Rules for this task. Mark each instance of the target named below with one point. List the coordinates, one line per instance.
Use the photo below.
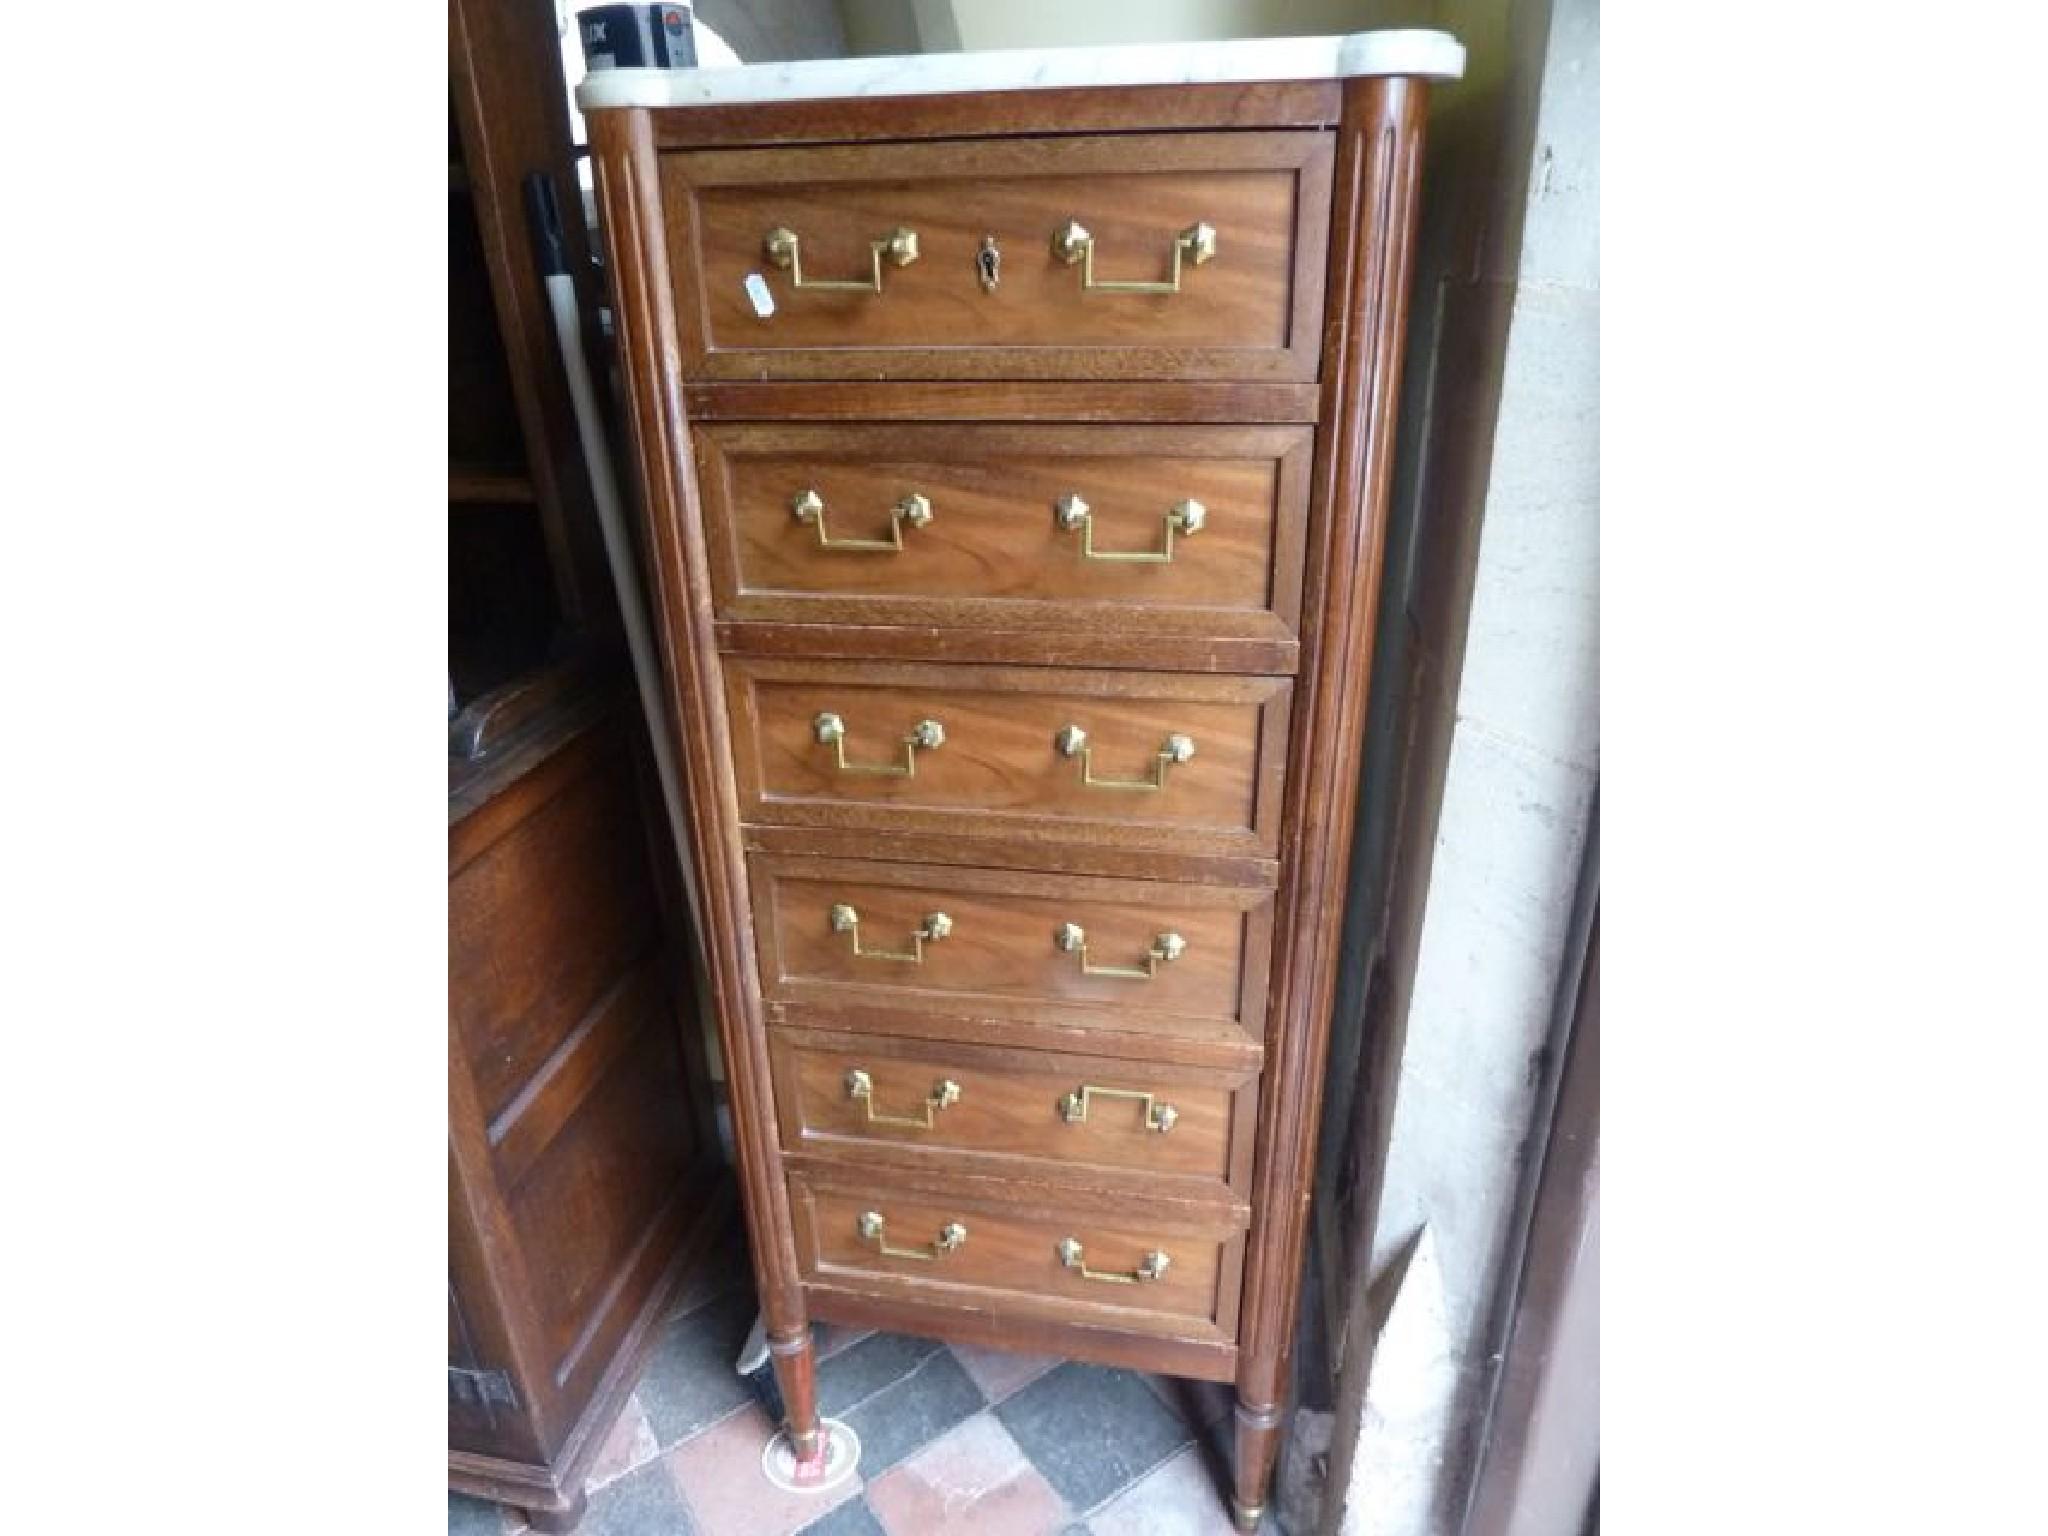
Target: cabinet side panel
(629, 192)
(488, 1411)
(1372, 229)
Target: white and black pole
(551, 254)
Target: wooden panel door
(582, 1181)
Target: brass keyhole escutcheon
(988, 264)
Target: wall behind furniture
(1481, 803)
(1006, 24)
(882, 28)
(935, 26)
(761, 31)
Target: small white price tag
(758, 295)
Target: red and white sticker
(839, 1455)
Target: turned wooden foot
(796, 1373)
(1258, 1438)
(558, 1522)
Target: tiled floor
(952, 1439)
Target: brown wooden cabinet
(1018, 616)
(583, 1170)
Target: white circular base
(842, 1455)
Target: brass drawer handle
(945, 1093)
(1072, 243)
(936, 926)
(1073, 742)
(952, 1235)
(1183, 517)
(1152, 1267)
(899, 245)
(830, 730)
(1158, 1117)
(1072, 938)
(807, 506)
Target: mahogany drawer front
(1021, 1259)
(1008, 1112)
(1253, 310)
(854, 933)
(1176, 762)
(1065, 528)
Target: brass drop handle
(1072, 938)
(1152, 1267)
(1072, 741)
(807, 506)
(1072, 243)
(936, 926)
(945, 1093)
(1183, 517)
(1160, 1117)
(781, 248)
(830, 730)
(951, 1236)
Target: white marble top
(1434, 55)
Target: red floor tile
(719, 1472)
(974, 1478)
(999, 1372)
(630, 1443)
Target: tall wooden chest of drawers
(1015, 460)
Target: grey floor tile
(1205, 1407)
(853, 1518)
(642, 1503)
(1092, 1431)
(916, 1410)
(859, 1373)
(690, 1382)
(473, 1517)
(1198, 1402)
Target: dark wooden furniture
(1019, 637)
(519, 496)
(584, 1174)
(580, 1159)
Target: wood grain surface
(1257, 106)
(581, 1178)
(999, 776)
(1008, 1119)
(993, 554)
(1001, 959)
(1249, 313)
(1011, 1258)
